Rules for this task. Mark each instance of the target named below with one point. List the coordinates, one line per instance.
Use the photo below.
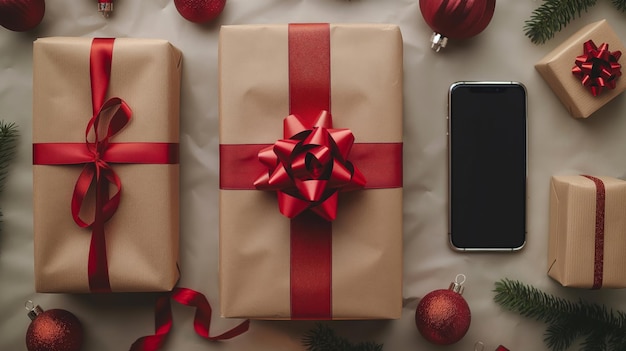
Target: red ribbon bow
(597, 68)
(97, 168)
(310, 167)
(98, 171)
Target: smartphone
(487, 166)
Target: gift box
(584, 71)
(587, 225)
(308, 112)
(105, 164)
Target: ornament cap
(105, 7)
(33, 310)
(438, 41)
(457, 284)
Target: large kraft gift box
(556, 69)
(134, 244)
(272, 266)
(587, 231)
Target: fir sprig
(601, 328)
(552, 16)
(323, 338)
(620, 5)
(8, 138)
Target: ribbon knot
(309, 167)
(597, 68)
(113, 116)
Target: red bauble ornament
(53, 330)
(456, 19)
(200, 11)
(21, 15)
(443, 316)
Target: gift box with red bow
(584, 71)
(587, 225)
(311, 171)
(105, 164)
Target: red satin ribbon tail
(162, 327)
(202, 321)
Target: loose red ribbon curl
(202, 320)
(597, 68)
(310, 167)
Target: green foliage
(552, 16)
(620, 5)
(8, 138)
(323, 338)
(601, 328)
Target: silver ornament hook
(33, 310)
(457, 284)
(438, 41)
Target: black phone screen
(487, 165)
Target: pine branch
(8, 138)
(323, 338)
(602, 329)
(620, 5)
(553, 15)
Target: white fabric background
(558, 144)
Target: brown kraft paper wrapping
(366, 97)
(572, 244)
(142, 236)
(556, 70)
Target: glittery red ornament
(200, 11)
(21, 15)
(53, 330)
(443, 316)
(456, 19)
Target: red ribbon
(202, 320)
(96, 153)
(311, 236)
(302, 169)
(598, 264)
(380, 164)
(597, 68)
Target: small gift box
(584, 71)
(587, 226)
(308, 112)
(105, 164)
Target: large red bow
(310, 167)
(597, 68)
